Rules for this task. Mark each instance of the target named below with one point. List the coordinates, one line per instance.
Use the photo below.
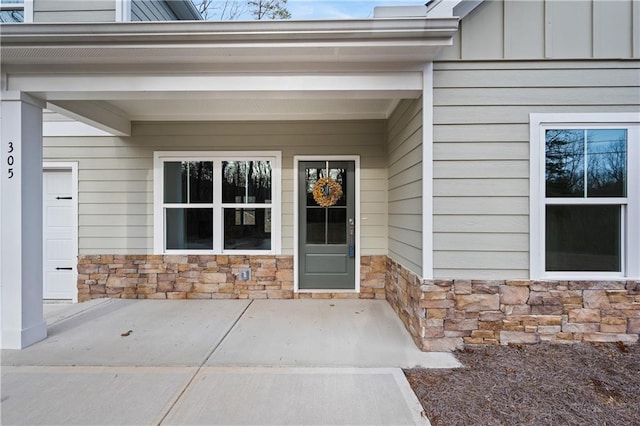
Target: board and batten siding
(548, 29)
(74, 11)
(404, 149)
(481, 151)
(145, 10)
(116, 174)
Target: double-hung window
(585, 218)
(216, 202)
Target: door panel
(327, 234)
(318, 263)
(59, 277)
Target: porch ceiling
(111, 74)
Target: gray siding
(74, 11)
(116, 178)
(503, 29)
(145, 10)
(481, 152)
(405, 184)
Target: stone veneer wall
(444, 315)
(208, 277)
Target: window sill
(583, 276)
(224, 253)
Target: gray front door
(327, 237)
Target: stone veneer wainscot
(444, 315)
(208, 277)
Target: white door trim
(296, 160)
(73, 167)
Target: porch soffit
(258, 70)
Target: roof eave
(237, 31)
(415, 40)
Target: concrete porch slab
(90, 395)
(298, 396)
(56, 311)
(323, 333)
(217, 362)
(162, 333)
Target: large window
(584, 209)
(217, 202)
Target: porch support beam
(140, 86)
(97, 114)
(21, 221)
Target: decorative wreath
(327, 192)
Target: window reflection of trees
(246, 181)
(200, 180)
(606, 163)
(602, 153)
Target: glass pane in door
(326, 225)
(337, 225)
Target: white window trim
(159, 157)
(28, 11)
(631, 256)
(296, 213)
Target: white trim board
(296, 160)
(427, 172)
(70, 129)
(123, 10)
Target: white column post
(427, 172)
(21, 316)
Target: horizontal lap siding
(405, 184)
(74, 11)
(481, 152)
(116, 174)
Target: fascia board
(374, 41)
(79, 34)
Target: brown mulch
(544, 384)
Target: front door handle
(63, 269)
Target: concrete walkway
(263, 362)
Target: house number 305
(10, 160)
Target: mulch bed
(544, 384)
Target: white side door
(60, 232)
